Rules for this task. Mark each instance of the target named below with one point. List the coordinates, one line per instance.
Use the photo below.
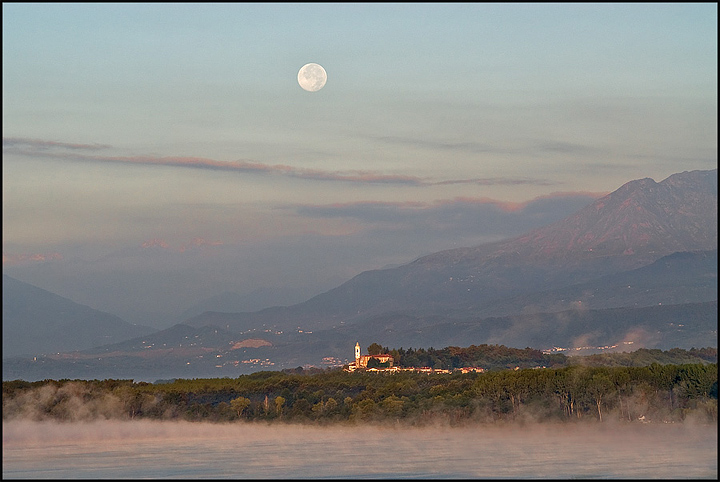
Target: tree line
(577, 392)
(491, 357)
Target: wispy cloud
(496, 181)
(460, 218)
(438, 144)
(57, 150)
(378, 209)
(39, 144)
(524, 147)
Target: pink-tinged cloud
(15, 259)
(25, 147)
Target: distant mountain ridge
(210, 352)
(679, 278)
(630, 227)
(255, 301)
(627, 229)
(641, 218)
(36, 321)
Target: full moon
(312, 77)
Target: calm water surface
(145, 449)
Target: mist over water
(154, 449)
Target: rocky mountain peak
(642, 218)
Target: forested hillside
(491, 357)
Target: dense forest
(598, 388)
(492, 357)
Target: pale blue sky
(128, 123)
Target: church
(361, 361)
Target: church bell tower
(357, 355)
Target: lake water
(148, 449)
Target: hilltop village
(385, 363)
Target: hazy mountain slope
(627, 229)
(686, 277)
(36, 321)
(257, 300)
(177, 336)
(641, 218)
(189, 352)
(685, 326)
